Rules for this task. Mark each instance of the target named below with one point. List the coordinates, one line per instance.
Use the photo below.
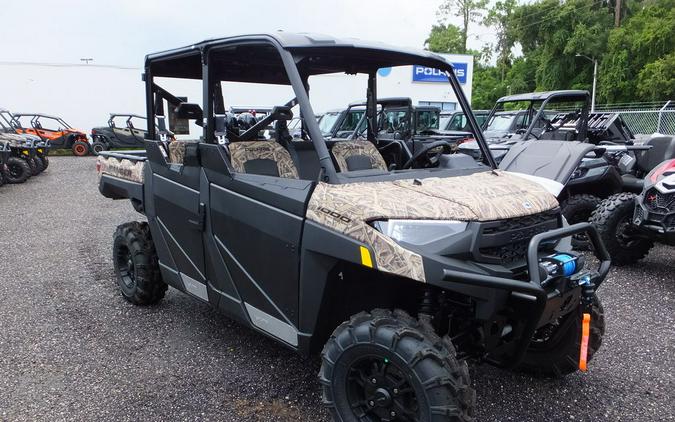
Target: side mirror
(189, 111)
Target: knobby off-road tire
(80, 149)
(578, 209)
(98, 146)
(34, 169)
(554, 350)
(18, 170)
(39, 164)
(387, 366)
(136, 264)
(45, 162)
(613, 219)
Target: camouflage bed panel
(241, 152)
(124, 169)
(485, 196)
(345, 149)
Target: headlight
(419, 232)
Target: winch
(560, 265)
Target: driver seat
(267, 158)
(357, 155)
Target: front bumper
(545, 301)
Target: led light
(419, 232)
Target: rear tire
(613, 219)
(558, 355)
(136, 264)
(384, 365)
(18, 170)
(80, 149)
(578, 209)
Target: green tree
(635, 67)
(499, 18)
(445, 39)
(470, 11)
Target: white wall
(84, 95)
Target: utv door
(255, 225)
(176, 215)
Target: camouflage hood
(484, 196)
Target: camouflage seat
(177, 151)
(262, 157)
(357, 155)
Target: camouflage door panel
(241, 152)
(484, 196)
(344, 149)
(124, 169)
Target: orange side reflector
(585, 333)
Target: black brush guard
(533, 287)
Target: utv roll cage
(35, 120)
(536, 114)
(255, 58)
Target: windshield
(351, 120)
(327, 123)
(427, 120)
(501, 122)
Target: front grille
(658, 202)
(638, 216)
(506, 241)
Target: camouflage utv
(397, 277)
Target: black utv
(4, 157)
(397, 277)
(123, 131)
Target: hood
(484, 196)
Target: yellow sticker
(365, 257)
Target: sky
(121, 32)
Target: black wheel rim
(126, 268)
(378, 390)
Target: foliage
(470, 11)
(636, 60)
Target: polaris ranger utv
(397, 277)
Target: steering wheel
(422, 157)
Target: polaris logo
(429, 74)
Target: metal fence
(645, 118)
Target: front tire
(554, 350)
(18, 170)
(98, 147)
(613, 219)
(39, 164)
(136, 264)
(45, 162)
(387, 366)
(80, 148)
(578, 209)
(34, 169)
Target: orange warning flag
(585, 333)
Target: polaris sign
(429, 74)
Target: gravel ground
(72, 349)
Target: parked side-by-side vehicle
(396, 275)
(53, 129)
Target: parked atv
(397, 277)
(53, 129)
(123, 131)
(16, 169)
(5, 154)
(630, 224)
